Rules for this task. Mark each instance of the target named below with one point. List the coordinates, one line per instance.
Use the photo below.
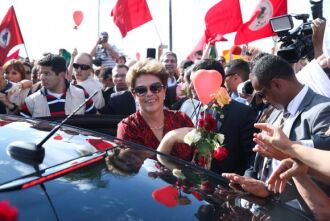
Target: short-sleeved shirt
(134, 128)
(104, 55)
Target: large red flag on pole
(10, 34)
(224, 17)
(258, 26)
(130, 14)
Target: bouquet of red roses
(208, 143)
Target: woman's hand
(179, 134)
(171, 138)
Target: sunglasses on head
(81, 66)
(155, 88)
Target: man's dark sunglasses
(81, 66)
(155, 88)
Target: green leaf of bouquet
(203, 147)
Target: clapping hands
(272, 142)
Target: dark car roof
(67, 143)
(100, 191)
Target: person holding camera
(104, 53)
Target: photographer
(305, 41)
(314, 74)
(104, 53)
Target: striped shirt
(104, 55)
(57, 104)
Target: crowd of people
(276, 126)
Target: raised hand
(272, 142)
(287, 169)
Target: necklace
(157, 128)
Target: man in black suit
(236, 125)
(114, 105)
(121, 103)
(118, 77)
(170, 62)
(303, 115)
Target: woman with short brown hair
(147, 81)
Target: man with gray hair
(170, 62)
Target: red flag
(203, 41)
(258, 26)
(13, 55)
(224, 17)
(130, 14)
(10, 34)
(200, 46)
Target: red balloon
(78, 17)
(236, 50)
(206, 83)
(138, 56)
(167, 196)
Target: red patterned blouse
(135, 128)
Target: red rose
(208, 116)
(207, 186)
(220, 153)
(210, 124)
(7, 213)
(207, 122)
(201, 161)
(201, 123)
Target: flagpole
(27, 55)
(170, 25)
(98, 18)
(161, 42)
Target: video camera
(297, 43)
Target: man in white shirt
(104, 53)
(82, 70)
